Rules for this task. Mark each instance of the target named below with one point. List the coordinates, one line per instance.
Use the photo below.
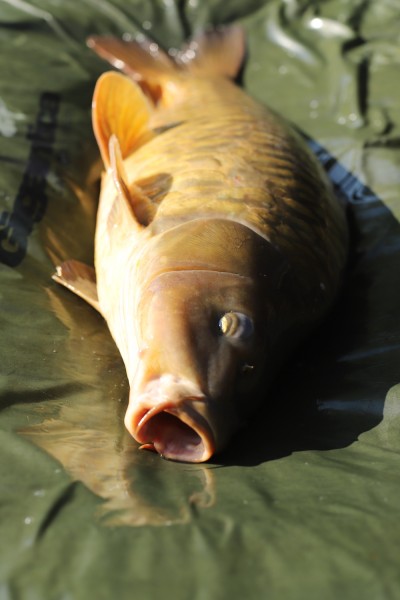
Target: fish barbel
(219, 243)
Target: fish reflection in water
(137, 488)
(86, 434)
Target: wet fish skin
(213, 214)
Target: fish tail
(123, 106)
(217, 52)
(144, 62)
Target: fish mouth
(176, 431)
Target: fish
(219, 245)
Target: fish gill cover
(305, 501)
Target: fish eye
(236, 325)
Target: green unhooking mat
(305, 502)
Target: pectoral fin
(120, 107)
(80, 279)
(131, 202)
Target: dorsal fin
(131, 201)
(120, 108)
(80, 279)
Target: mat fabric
(305, 503)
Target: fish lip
(200, 440)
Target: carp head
(205, 318)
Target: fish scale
(283, 218)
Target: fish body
(219, 243)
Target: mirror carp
(219, 242)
